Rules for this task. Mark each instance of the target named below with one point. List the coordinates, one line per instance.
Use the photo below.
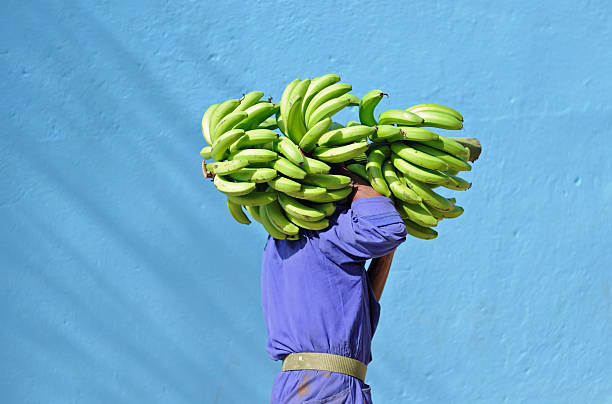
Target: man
(319, 304)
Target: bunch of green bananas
(284, 181)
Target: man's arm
(378, 272)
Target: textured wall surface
(125, 280)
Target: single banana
(339, 154)
(257, 114)
(328, 208)
(249, 99)
(310, 139)
(440, 214)
(316, 226)
(269, 123)
(352, 123)
(232, 119)
(224, 141)
(233, 188)
(295, 208)
(296, 127)
(450, 146)
(439, 120)
(284, 166)
(255, 198)
(328, 181)
(226, 167)
(419, 231)
(308, 192)
(367, 106)
(206, 123)
(284, 105)
(205, 152)
(399, 117)
(376, 158)
(276, 215)
(287, 148)
(333, 195)
(358, 169)
(220, 112)
(286, 185)
(316, 85)
(398, 187)
(254, 212)
(267, 224)
(435, 107)
(346, 135)
(327, 109)
(453, 162)
(237, 213)
(313, 166)
(256, 175)
(429, 196)
(254, 155)
(327, 94)
(416, 212)
(335, 126)
(354, 101)
(418, 173)
(457, 183)
(390, 133)
(418, 157)
(361, 159)
(253, 137)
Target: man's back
(316, 297)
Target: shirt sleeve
(371, 228)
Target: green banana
(398, 187)
(333, 195)
(227, 123)
(254, 155)
(267, 224)
(327, 109)
(316, 226)
(328, 181)
(206, 123)
(226, 167)
(327, 94)
(399, 117)
(254, 212)
(248, 100)
(441, 214)
(346, 135)
(352, 123)
(277, 217)
(284, 105)
(359, 169)
(269, 123)
(237, 213)
(457, 183)
(367, 106)
(354, 101)
(313, 166)
(297, 209)
(335, 126)
(233, 188)
(287, 148)
(450, 146)
(418, 157)
(328, 208)
(286, 185)
(310, 139)
(429, 196)
(253, 137)
(224, 141)
(453, 162)
(376, 158)
(418, 173)
(205, 152)
(257, 114)
(416, 212)
(316, 85)
(307, 192)
(284, 166)
(256, 175)
(219, 113)
(339, 154)
(296, 127)
(390, 133)
(419, 231)
(435, 107)
(439, 120)
(255, 198)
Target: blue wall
(125, 280)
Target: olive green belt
(325, 361)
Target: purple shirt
(316, 296)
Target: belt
(324, 361)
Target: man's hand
(361, 187)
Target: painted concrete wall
(124, 279)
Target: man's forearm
(378, 272)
